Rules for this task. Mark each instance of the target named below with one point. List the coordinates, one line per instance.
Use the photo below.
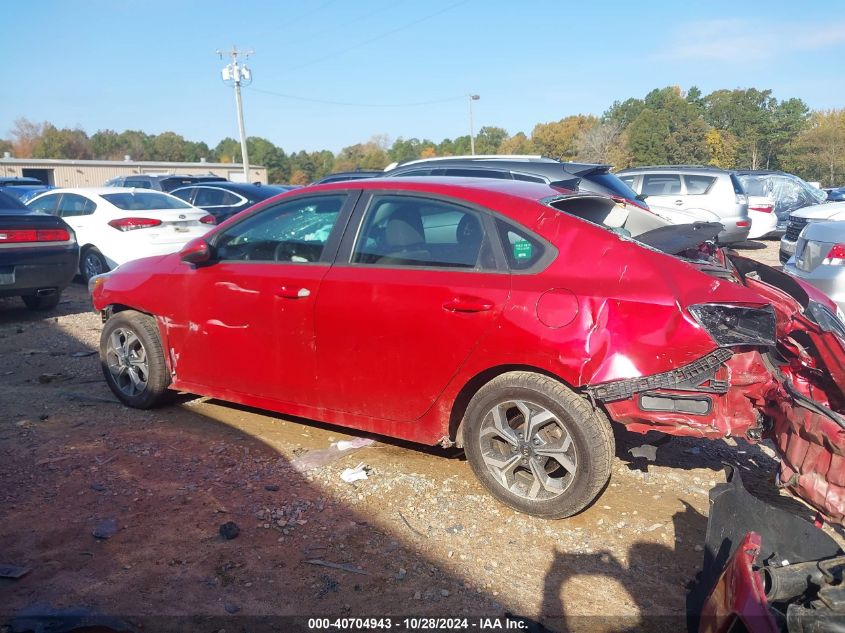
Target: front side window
(295, 231)
(411, 231)
(184, 193)
(661, 184)
(46, 204)
(73, 205)
(698, 185)
(213, 197)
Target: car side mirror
(196, 252)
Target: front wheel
(133, 361)
(537, 446)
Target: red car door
(404, 308)
(249, 315)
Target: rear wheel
(132, 359)
(537, 446)
(92, 263)
(42, 303)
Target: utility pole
(237, 74)
(471, 132)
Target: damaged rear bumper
(746, 393)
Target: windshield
(144, 201)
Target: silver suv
(691, 189)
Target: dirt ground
(419, 536)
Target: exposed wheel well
(459, 406)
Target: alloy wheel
(127, 361)
(528, 450)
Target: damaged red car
(510, 318)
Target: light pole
(236, 75)
(471, 133)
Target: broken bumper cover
(744, 393)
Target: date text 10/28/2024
(417, 624)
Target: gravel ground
(419, 536)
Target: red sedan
(509, 318)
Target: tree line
(741, 128)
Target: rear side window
(737, 185)
(468, 172)
(213, 197)
(183, 194)
(144, 201)
(73, 205)
(698, 185)
(661, 184)
(411, 231)
(628, 180)
(137, 184)
(527, 178)
(521, 250)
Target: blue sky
(150, 64)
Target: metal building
(94, 173)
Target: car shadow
(643, 574)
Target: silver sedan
(820, 259)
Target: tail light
(741, 198)
(21, 236)
(208, 219)
(762, 208)
(743, 223)
(130, 224)
(836, 256)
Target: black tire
(91, 263)
(155, 377)
(42, 303)
(590, 450)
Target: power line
(357, 105)
(378, 37)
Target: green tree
(489, 138)
(404, 150)
(64, 143)
(168, 146)
(818, 153)
(516, 144)
(228, 150)
(560, 139)
(722, 146)
(647, 136)
(265, 153)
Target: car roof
(687, 168)
(496, 194)
(18, 180)
(100, 191)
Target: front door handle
(467, 304)
(679, 202)
(292, 292)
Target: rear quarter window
(521, 250)
(698, 185)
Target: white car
(115, 225)
(764, 220)
(834, 211)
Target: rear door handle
(292, 292)
(467, 304)
(679, 202)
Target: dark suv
(575, 176)
(160, 182)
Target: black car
(39, 255)
(161, 182)
(225, 199)
(575, 176)
(349, 175)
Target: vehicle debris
(352, 569)
(105, 529)
(351, 475)
(325, 456)
(649, 451)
